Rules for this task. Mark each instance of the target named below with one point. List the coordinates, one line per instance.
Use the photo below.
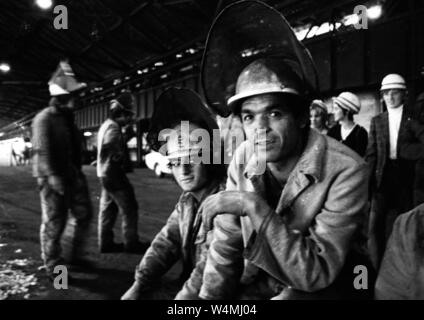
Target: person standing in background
(319, 116)
(392, 176)
(117, 192)
(346, 130)
(57, 145)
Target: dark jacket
(57, 143)
(413, 149)
(401, 276)
(111, 151)
(357, 140)
(379, 147)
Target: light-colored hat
(348, 101)
(320, 104)
(269, 75)
(249, 32)
(124, 102)
(180, 146)
(63, 81)
(393, 81)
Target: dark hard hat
(265, 75)
(244, 32)
(175, 105)
(124, 102)
(63, 81)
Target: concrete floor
(19, 239)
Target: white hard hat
(393, 81)
(348, 101)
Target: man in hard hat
(57, 166)
(182, 113)
(391, 175)
(299, 197)
(117, 192)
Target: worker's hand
(133, 293)
(236, 203)
(56, 183)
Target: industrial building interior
(146, 47)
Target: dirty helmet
(178, 106)
(251, 49)
(124, 102)
(63, 81)
(348, 101)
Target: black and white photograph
(212, 151)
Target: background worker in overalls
(57, 166)
(117, 192)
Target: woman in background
(346, 130)
(319, 116)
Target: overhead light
(375, 12)
(87, 134)
(4, 67)
(44, 4)
(351, 19)
(159, 64)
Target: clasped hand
(239, 203)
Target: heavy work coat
(304, 243)
(57, 143)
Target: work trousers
(55, 208)
(117, 199)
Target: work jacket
(302, 244)
(57, 143)
(180, 238)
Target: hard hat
(242, 33)
(348, 101)
(124, 102)
(172, 107)
(393, 81)
(266, 75)
(319, 104)
(63, 81)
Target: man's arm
(163, 252)
(41, 146)
(396, 277)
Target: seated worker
(183, 111)
(401, 274)
(286, 224)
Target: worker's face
(338, 113)
(271, 127)
(393, 98)
(190, 176)
(317, 121)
